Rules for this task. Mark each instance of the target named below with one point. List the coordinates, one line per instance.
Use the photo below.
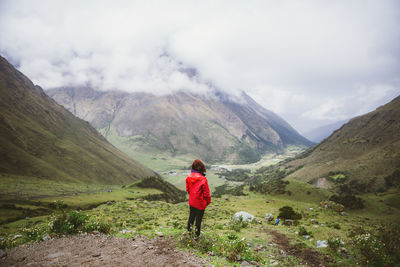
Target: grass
(127, 210)
(151, 218)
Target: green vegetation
(236, 175)
(137, 216)
(349, 201)
(270, 187)
(287, 213)
(235, 190)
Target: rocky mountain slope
(40, 138)
(215, 127)
(366, 149)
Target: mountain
(320, 133)
(366, 150)
(40, 138)
(215, 127)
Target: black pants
(198, 215)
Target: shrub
(349, 201)
(70, 223)
(287, 213)
(226, 189)
(230, 246)
(33, 234)
(237, 225)
(238, 175)
(75, 222)
(96, 224)
(303, 231)
(334, 243)
(270, 187)
(381, 248)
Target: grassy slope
(152, 218)
(367, 147)
(39, 138)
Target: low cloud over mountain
(313, 63)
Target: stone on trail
(2, 253)
(244, 215)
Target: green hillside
(39, 138)
(363, 155)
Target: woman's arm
(206, 193)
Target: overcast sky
(311, 62)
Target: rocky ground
(100, 250)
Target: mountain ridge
(40, 138)
(213, 126)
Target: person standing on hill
(199, 194)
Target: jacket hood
(194, 177)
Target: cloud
(312, 62)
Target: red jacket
(199, 193)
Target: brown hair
(197, 165)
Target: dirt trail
(100, 250)
(309, 256)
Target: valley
(63, 182)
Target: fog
(311, 62)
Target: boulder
(269, 217)
(322, 244)
(245, 216)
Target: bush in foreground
(74, 222)
(229, 246)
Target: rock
(311, 209)
(96, 255)
(343, 251)
(343, 213)
(271, 261)
(46, 237)
(245, 263)
(254, 263)
(306, 236)
(211, 253)
(244, 215)
(2, 253)
(269, 217)
(238, 257)
(322, 244)
(283, 253)
(313, 221)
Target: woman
(199, 194)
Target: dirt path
(100, 250)
(309, 256)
